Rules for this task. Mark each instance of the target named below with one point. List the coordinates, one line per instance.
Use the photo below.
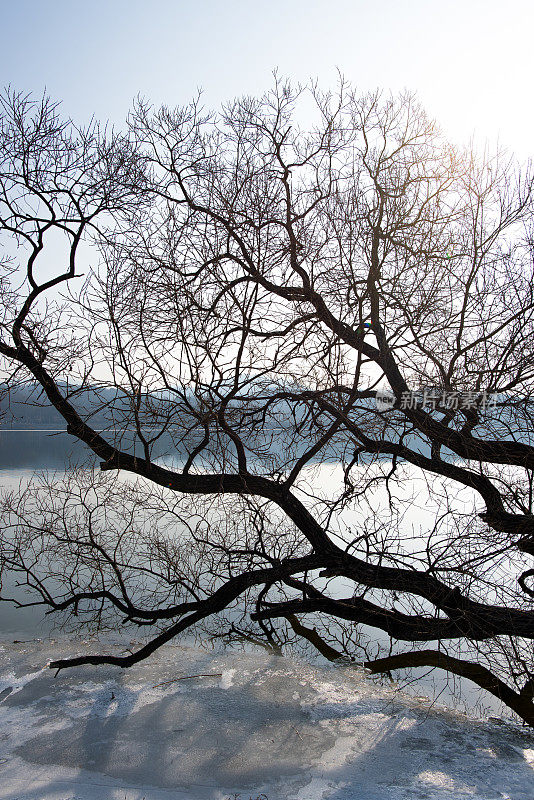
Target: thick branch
(216, 602)
(487, 622)
(520, 703)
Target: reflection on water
(32, 450)
(22, 453)
(56, 449)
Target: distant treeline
(28, 407)
(108, 408)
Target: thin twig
(189, 677)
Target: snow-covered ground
(193, 725)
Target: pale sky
(471, 62)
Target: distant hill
(106, 408)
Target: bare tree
(250, 291)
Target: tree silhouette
(234, 291)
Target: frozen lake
(196, 725)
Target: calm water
(23, 453)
